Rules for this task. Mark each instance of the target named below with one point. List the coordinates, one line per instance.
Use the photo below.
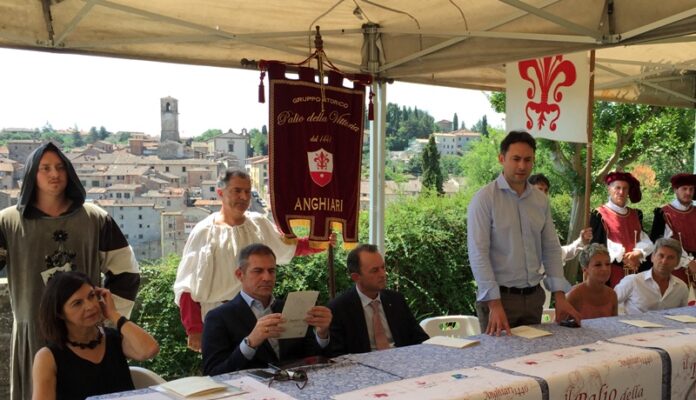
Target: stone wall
(5, 333)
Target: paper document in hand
(688, 319)
(295, 311)
(448, 341)
(641, 323)
(528, 332)
(200, 387)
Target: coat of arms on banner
(548, 96)
(546, 76)
(320, 166)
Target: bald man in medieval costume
(677, 220)
(620, 227)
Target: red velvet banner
(315, 154)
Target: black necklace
(89, 345)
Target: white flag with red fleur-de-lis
(547, 97)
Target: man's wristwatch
(246, 341)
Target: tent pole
(590, 126)
(377, 162)
(377, 139)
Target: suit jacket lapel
(390, 312)
(359, 321)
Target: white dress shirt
(640, 293)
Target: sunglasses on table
(299, 376)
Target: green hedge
(156, 312)
(427, 256)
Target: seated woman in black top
(83, 358)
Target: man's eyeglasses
(298, 376)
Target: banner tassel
(262, 95)
(371, 107)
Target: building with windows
(176, 227)
(230, 144)
(455, 142)
(257, 167)
(140, 223)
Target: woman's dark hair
(59, 288)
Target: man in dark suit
(368, 316)
(243, 333)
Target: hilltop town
(157, 189)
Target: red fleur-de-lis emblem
(320, 163)
(550, 74)
(322, 160)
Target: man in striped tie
(368, 316)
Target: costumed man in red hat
(677, 220)
(620, 227)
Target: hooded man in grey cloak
(50, 229)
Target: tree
(93, 135)
(122, 137)
(455, 122)
(77, 139)
(207, 135)
(481, 126)
(480, 164)
(258, 142)
(404, 124)
(103, 133)
(47, 128)
(451, 165)
(432, 172)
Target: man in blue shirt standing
(510, 235)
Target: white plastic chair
(451, 325)
(144, 378)
(548, 316)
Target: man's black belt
(523, 291)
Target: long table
(357, 371)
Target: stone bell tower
(169, 112)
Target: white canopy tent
(646, 50)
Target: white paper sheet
(457, 343)
(528, 332)
(641, 323)
(687, 319)
(255, 390)
(295, 311)
(193, 385)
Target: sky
(123, 95)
